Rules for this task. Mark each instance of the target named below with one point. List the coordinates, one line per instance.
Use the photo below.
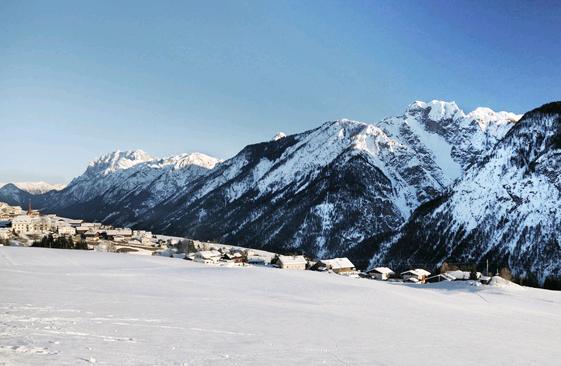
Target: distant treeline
(59, 243)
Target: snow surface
(61, 307)
(441, 149)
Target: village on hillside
(30, 228)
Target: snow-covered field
(61, 307)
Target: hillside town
(28, 228)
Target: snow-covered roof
(208, 254)
(338, 263)
(292, 259)
(444, 276)
(459, 275)
(418, 272)
(422, 272)
(381, 270)
(115, 232)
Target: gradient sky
(82, 78)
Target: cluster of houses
(8, 212)
(224, 255)
(215, 253)
(20, 226)
(343, 266)
(17, 224)
(419, 275)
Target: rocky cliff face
(505, 209)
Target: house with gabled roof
(415, 275)
(297, 262)
(337, 265)
(380, 273)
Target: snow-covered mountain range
(37, 187)
(507, 208)
(326, 191)
(347, 188)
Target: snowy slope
(63, 307)
(455, 139)
(306, 192)
(506, 209)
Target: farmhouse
(337, 265)
(235, 257)
(415, 275)
(380, 273)
(207, 256)
(292, 262)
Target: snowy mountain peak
(198, 159)
(117, 160)
(504, 209)
(279, 135)
(484, 116)
(438, 109)
(36, 187)
(39, 187)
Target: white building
(74, 223)
(31, 224)
(381, 273)
(4, 233)
(7, 211)
(207, 256)
(66, 230)
(337, 265)
(297, 262)
(415, 275)
(123, 232)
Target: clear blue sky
(82, 78)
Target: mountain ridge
(326, 191)
(505, 210)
